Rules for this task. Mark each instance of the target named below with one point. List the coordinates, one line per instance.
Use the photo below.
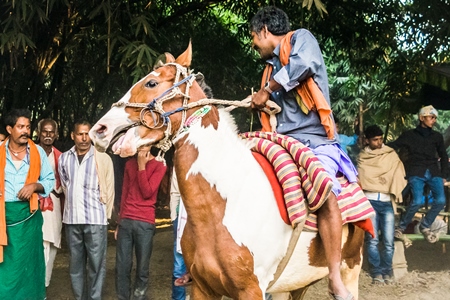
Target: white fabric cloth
(49, 256)
(52, 226)
(174, 197)
(374, 196)
(182, 219)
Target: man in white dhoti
(47, 132)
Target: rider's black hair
(276, 20)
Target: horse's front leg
(249, 293)
(198, 294)
(252, 291)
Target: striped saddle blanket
(304, 183)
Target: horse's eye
(151, 84)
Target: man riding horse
(296, 79)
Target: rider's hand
(259, 99)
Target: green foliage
(71, 59)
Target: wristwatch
(267, 87)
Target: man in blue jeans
(426, 152)
(382, 177)
(179, 276)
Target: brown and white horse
(234, 238)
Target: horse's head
(151, 111)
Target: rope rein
(156, 111)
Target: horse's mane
(200, 78)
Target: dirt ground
(428, 275)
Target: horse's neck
(210, 154)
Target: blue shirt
(345, 141)
(15, 178)
(81, 187)
(305, 61)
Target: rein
(161, 118)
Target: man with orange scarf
(25, 172)
(296, 79)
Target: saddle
(301, 185)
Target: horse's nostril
(101, 129)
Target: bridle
(155, 109)
(160, 117)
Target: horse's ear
(163, 59)
(186, 57)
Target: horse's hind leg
(249, 293)
(352, 259)
(198, 294)
(279, 296)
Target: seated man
(382, 177)
(425, 153)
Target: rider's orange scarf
(309, 98)
(32, 177)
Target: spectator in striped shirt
(87, 179)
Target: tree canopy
(73, 59)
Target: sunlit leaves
(319, 5)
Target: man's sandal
(388, 279)
(378, 280)
(407, 242)
(429, 236)
(399, 236)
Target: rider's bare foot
(338, 291)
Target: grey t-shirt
(305, 61)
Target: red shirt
(140, 189)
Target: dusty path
(428, 277)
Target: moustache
(25, 135)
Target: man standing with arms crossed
(47, 132)
(24, 172)
(294, 63)
(382, 177)
(426, 153)
(87, 178)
